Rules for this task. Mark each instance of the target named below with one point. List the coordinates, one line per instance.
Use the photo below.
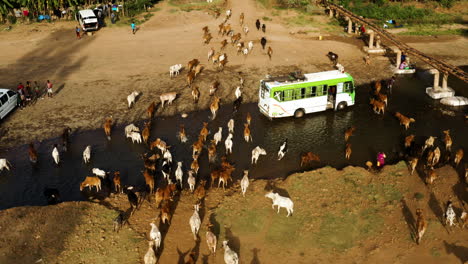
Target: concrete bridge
(376, 33)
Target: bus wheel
(299, 113)
(341, 106)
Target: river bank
(348, 215)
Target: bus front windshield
(264, 92)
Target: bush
(447, 3)
(11, 19)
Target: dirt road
(93, 76)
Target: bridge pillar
(331, 12)
(350, 26)
(435, 92)
(371, 48)
(356, 28)
(398, 58)
(371, 38)
(377, 42)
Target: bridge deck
(436, 63)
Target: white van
(8, 101)
(88, 20)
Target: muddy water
(321, 133)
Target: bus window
(278, 96)
(300, 93)
(313, 91)
(324, 90)
(348, 87)
(288, 95)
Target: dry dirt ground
(94, 75)
(348, 216)
(362, 217)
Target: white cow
(4, 164)
(256, 152)
(281, 201)
(228, 144)
(245, 182)
(56, 155)
(99, 172)
(155, 235)
(169, 97)
(250, 45)
(87, 154)
(129, 129)
(238, 92)
(136, 137)
(174, 70)
(218, 135)
(230, 256)
(191, 181)
(195, 222)
(246, 30)
(179, 174)
(231, 126)
(131, 98)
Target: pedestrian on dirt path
(77, 30)
(49, 89)
(257, 24)
(112, 18)
(390, 83)
(381, 159)
(28, 91)
(133, 28)
(263, 28)
(37, 92)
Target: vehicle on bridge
(298, 94)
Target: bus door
(332, 96)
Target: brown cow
(107, 127)
(225, 176)
(145, 134)
(190, 78)
(377, 86)
(197, 147)
(458, 157)
(200, 192)
(431, 176)
(204, 131)
(194, 166)
(32, 153)
(214, 87)
(412, 164)
(408, 140)
(191, 64)
(308, 157)
(166, 213)
(116, 181)
(421, 225)
(348, 151)
(212, 152)
(198, 69)
(447, 140)
(149, 180)
(164, 194)
(195, 94)
(182, 135)
(248, 118)
(377, 106)
(214, 106)
(349, 132)
(405, 121)
(150, 110)
(91, 182)
(224, 42)
(270, 52)
(383, 98)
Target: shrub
(11, 19)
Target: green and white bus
(298, 94)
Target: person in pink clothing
(49, 88)
(381, 159)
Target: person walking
(37, 92)
(390, 84)
(133, 28)
(20, 90)
(77, 30)
(49, 88)
(381, 159)
(112, 17)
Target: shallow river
(321, 133)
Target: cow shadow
(255, 259)
(459, 251)
(233, 241)
(409, 218)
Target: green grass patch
(419, 196)
(188, 6)
(435, 252)
(266, 18)
(300, 20)
(381, 193)
(341, 232)
(428, 32)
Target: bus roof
(309, 77)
